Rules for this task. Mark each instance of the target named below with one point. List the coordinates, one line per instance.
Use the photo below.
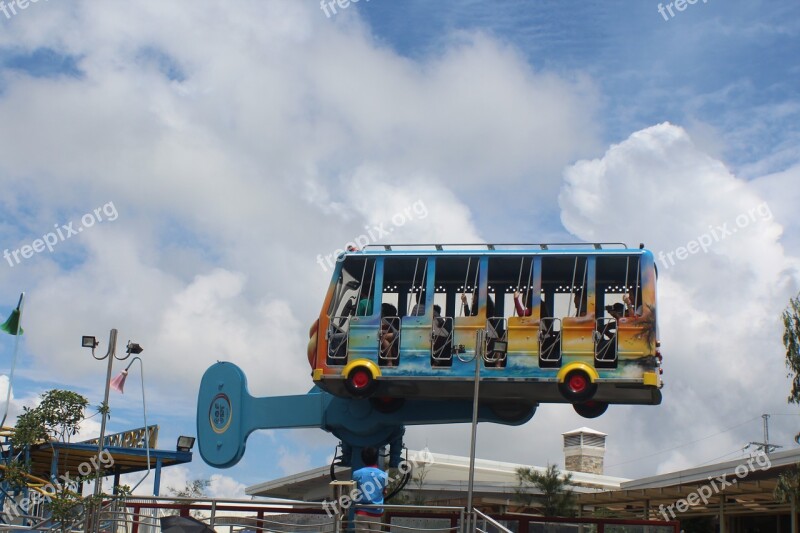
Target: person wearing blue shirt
(370, 484)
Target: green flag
(11, 325)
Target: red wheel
(577, 383)
(577, 387)
(360, 382)
(360, 379)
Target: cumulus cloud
(784, 195)
(719, 308)
(232, 169)
(225, 487)
(293, 461)
(235, 162)
(14, 406)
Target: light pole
(118, 383)
(480, 340)
(133, 348)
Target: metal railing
(489, 524)
(428, 519)
(142, 515)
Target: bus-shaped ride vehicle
(547, 323)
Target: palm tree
(555, 496)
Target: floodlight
(88, 341)
(185, 444)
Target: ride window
(404, 280)
(619, 276)
(366, 293)
(353, 288)
(564, 286)
(456, 276)
(507, 274)
(416, 297)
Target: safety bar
(496, 246)
(389, 326)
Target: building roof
(444, 475)
(745, 485)
(584, 429)
(748, 490)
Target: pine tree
(555, 498)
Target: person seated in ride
(633, 303)
(438, 322)
(617, 311)
(473, 311)
(441, 338)
(579, 299)
(419, 308)
(388, 335)
(364, 306)
(523, 309)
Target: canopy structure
(123, 453)
(723, 490)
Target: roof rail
(497, 246)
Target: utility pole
(765, 446)
(480, 346)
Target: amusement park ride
(402, 329)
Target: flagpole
(13, 360)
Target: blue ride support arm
(227, 414)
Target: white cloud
(89, 427)
(174, 478)
(784, 195)
(718, 311)
(293, 461)
(283, 136)
(14, 406)
(225, 487)
(260, 153)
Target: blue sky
(238, 142)
(648, 69)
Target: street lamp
(118, 383)
(88, 341)
(480, 347)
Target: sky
(191, 163)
